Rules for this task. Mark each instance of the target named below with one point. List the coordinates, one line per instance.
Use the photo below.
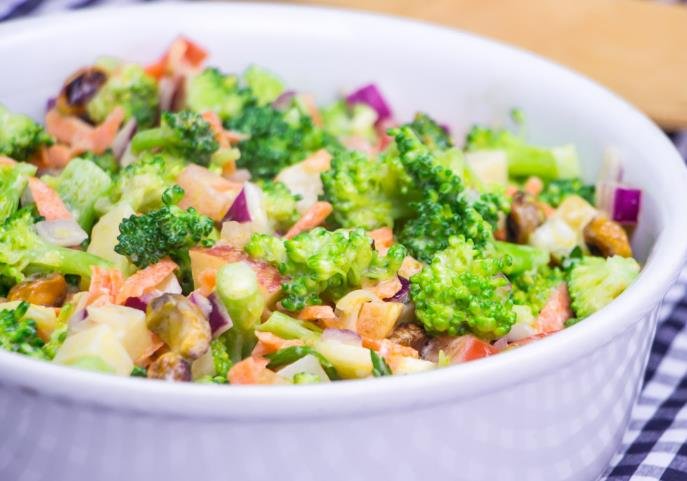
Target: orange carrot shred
(48, 202)
(313, 217)
(146, 279)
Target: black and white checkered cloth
(655, 445)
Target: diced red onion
(136, 303)
(66, 233)
(219, 318)
(284, 100)
(403, 294)
(239, 209)
(76, 321)
(121, 141)
(50, 104)
(501, 344)
(344, 336)
(621, 203)
(370, 95)
(167, 88)
(202, 302)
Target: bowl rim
(369, 396)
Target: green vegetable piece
(379, 366)
(280, 205)
(287, 327)
(350, 121)
(556, 191)
(129, 87)
(292, 354)
(462, 291)
(306, 378)
(221, 357)
(181, 134)
(532, 288)
(13, 181)
(595, 282)
(522, 257)
(80, 185)
(20, 136)
(211, 90)
(238, 288)
(91, 363)
(264, 85)
(19, 334)
(139, 371)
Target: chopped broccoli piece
(430, 132)
(595, 282)
(350, 121)
(325, 264)
(143, 182)
(523, 258)
(21, 248)
(277, 139)
(306, 378)
(445, 211)
(219, 348)
(264, 85)
(13, 181)
(211, 90)
(129, 87)
(169, 231)
(267, 248)
(139, 371)
(181, 134)
(367, 192)
(462, 291)
(20, 136)
(81, 184)
(556, 191)
(491, 206)
(19, 333)
(280, 205)
(106, 161)
(533, 287)
(287, 327)
(525, 160)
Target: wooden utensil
(636, 48)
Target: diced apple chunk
(129, 325)
(350, 361)
(98, 343)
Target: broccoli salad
(175, 222)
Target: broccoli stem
(287, 327)
(152, 138)
(523, 258)
(238, 288)
(66, 261)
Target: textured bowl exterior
(561, 426)
(553, 410)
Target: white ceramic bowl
(554, 410)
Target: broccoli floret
(13, 181)
(20, 136)
(129, 87)
(595, 282)
(143, 182)
(525, 160)
(213, 91)
(106, 161)
(267, 248)
(556, 191)
(264, 85)
(367, 192)
(523, 258)
(19, 334)
(491, 206)
(21, 248)
(430, 132)
(445, 211)
(277, 139)
(181, 134)
(168, 231)
(533, 287)
(324, 265)
(347, 121)
(81, 184)
(219, 348)
(280, 205)
(462, 291)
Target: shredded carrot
(556, 311)
(252, 370)
(54, 157)
(315, 313)
(6, 160)
(48, 202)
(409, 267)
(533, 186)
(145, 279)
(383, 239)
(104, 134)
(511, 190)
(319, 161)
(216, 124)
(269, 343)
(311, 106)
(206, 281)
(181, 54)
(104, 282)
(313, 217)
(79, 135)
(385, 348)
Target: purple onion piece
(136, 303)
(166, 88)
(239, 209)
(284, 100)
(76, 320)
(626, 204)
(121, 141)
(370, 95)
(84, 86)
(219, 318)
(202, 302)
(50, 104)
(403, 294)
(344, 336)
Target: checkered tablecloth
(655, 444)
